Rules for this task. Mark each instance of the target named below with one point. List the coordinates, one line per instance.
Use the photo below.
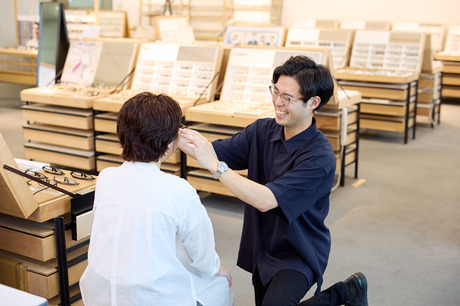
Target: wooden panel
(48, 286)
(451, 79)
(451, 92)
(381, 93)
(60, 158)
(382, 109)
(397, 125)
(106, 123)
(72, 138)
(16, 198)
(108, 145)
(54, 96)
(57, 116)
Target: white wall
(436, 11)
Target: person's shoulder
(264, 124)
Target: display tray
(382, 107)
(335, 138)
(18, 66)
(375, 75)
(48, 134)
(450, 92)
(42, 277)
(61, 156)
(108, 143)
(384, 123)
(378, 90)
(447, 56)
(451, 79)
(106, 123)
(451, 67)
(58, 116)
(56, 95)
(23, 201)
(31, 239)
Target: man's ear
(315, 101)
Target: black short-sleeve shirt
(300, 173)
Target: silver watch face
(222, 167)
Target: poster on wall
(257, 36)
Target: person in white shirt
(152, 242)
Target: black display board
(53, 43)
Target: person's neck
(290, 132)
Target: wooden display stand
(245, 98)
(384, 68)
(18, 66)
(450, 57)
(188, 73)
(60, 117)
(339, 41)
(53, 260)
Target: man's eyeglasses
(284, 97)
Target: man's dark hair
(146, 124)
(314, 79)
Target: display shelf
(111, 23)
(93, 69)
(370, 25)
(255, 35)
(385, 68)
(31, 215)
(387, 106)
(173, 29)
(450, 58)
(339, 41)
(18, 66)
(316, 23)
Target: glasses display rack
(35, 226)
(384, 67)
(369, 25)
(339, 41)
(188, 73)
(59, 118)
(245, 98)
(317, 23)
(18, 66)
(112, 23)
(450, 58)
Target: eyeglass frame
(284, 97)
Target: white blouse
(152, 242)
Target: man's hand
(224, 272)
(197, 146)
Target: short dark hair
(314, 79)
(146, 124)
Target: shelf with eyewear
(59, 117)
(450, 58)
(384, 68)
(18, 65)
(368, 25)
(112, 23)
(339, 41)
(40, 226)
(188, 73)
(245, 98)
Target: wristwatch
(221, 168)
